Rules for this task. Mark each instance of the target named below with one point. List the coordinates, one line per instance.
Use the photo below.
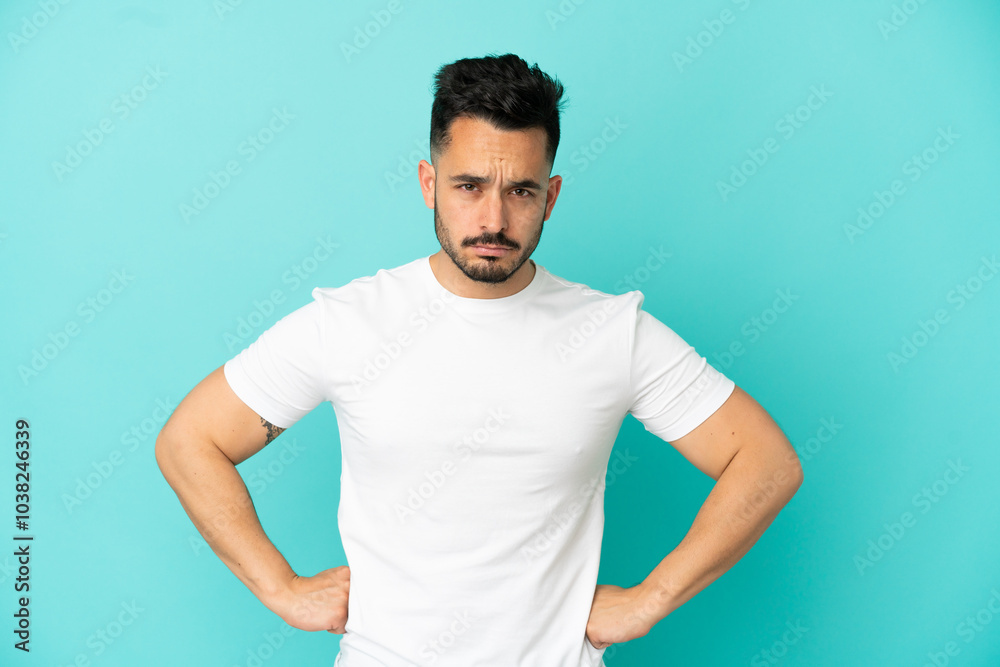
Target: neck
(452, 279)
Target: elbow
(167, 451)
(180, 452)
(797, 478)
(162, 451)
(794, 473)
(789, 471)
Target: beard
(487, 269)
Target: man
(478, 397)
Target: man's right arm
(197, 450)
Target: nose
(492, 217)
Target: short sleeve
(673, 388)
(280, 376)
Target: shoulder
(563, 294)
(366, 289)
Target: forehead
(475, 141)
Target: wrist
(274, 589)
(653, 601)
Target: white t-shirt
(475, 438)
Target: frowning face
(491, 195)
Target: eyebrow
(527, 183)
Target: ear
(426, 175)
(555, 185)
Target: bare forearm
(745, 500)
(213, 494)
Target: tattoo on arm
(272, 430)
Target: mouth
(493, 250)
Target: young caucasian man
(478, 397)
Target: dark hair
(502, 90)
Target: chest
(514, 410)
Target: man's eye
(522, 193)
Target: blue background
(110, 532)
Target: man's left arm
(757, 472)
